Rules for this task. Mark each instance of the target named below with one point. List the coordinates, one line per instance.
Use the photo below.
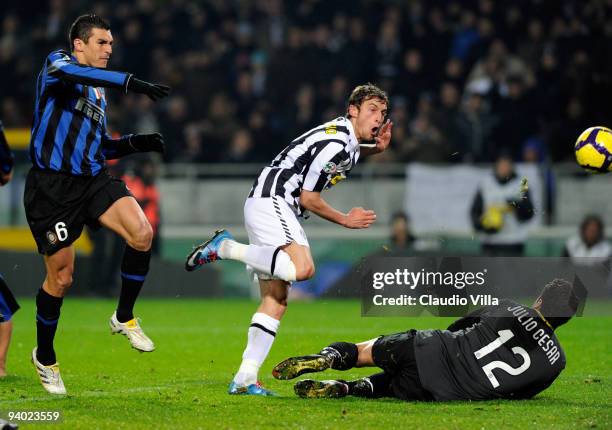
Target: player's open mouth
(374, 130)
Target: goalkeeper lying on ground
(505, 351)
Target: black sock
(343, 355)
(375, 386)
(134, 268)
(47, 316)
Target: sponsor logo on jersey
(89, 109)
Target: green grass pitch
(199, 344)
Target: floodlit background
(467, 80)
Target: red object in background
(147, 197)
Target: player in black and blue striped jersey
(68, 186)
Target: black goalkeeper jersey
(504, 351)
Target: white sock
(260, 339)
(268, 259)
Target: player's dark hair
(81, 27)
(559, 302)
(366, 92)
(593, 219)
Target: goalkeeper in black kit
(508, 351)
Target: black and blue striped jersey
(69, 127)
(6, 156)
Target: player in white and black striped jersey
(290, 187)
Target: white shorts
(269, 221)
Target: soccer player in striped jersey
(8, 304)
(278, 252)
(68, 186)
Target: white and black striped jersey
(316, 160)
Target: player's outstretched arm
(61, 67)
(6, 159)
(131, 144)
(356, 218)
(154, 91)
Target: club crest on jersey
(330, 167)
(51, 237)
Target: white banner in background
(438, 199)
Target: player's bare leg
(6, 329)
(262, 332)
(60, 267)
(126, 218)
(291, 262)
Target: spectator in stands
(474, 127)
(265, 51)
(402, 239)
(589, 246)
(241, 148)
(446, 118)
(500, 211)
(425, 142)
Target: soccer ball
(594, 149)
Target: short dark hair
(81, 27)
(366, 92)
(559, 302)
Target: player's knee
(61, 281)
(143, 238)
(304, 271)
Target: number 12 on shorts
(504, 336)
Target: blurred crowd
(466, 78)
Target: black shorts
(8, 304)
(395, 355)
(58, 205)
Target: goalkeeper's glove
(147, 142)
(154, 91)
